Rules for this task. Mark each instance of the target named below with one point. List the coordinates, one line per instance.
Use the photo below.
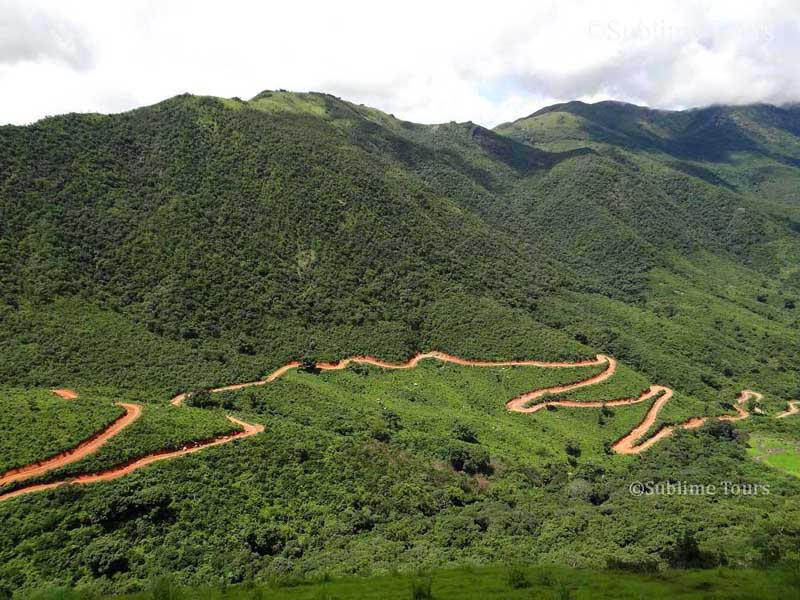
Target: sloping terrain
(640, 438)
(203, 242)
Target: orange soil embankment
(65, 393)
(794, 408)
(82, 450)
(122, 470)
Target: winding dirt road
(133, 412)
(409, 364)
(794, 408)
(122, 470)
(523, 403)
(627, 444)
(82, 450)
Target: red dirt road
(82, 450)
(409, 364)
(794, 408)
(522, 403)
(627, 444)
(122, 470)
(133, 411)
(743, 397)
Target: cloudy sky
(428, 61)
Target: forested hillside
(202, 242)
(300, 225)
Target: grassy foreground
(496, 582)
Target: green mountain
(202, 242)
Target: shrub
(517, 578)
(635, 565)
(106, 557)
(163, 589)
(722, 430)
(686, 554)
(359, 369)
(200, 398)
(308, 365)
(573, 449)
(421, 588)
(469, 459)
(465, 433)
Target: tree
(106, 557)
(463, 432)
(308, 365)
(573, 449)
(686, 554)
(200, 398)
(722, 430)
(471, 459)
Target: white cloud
(30, 35)
(422, 61)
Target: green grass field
(500, 583)
(781, 454)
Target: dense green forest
(202, 242)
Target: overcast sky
(488, 61)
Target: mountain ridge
(201, 242)
(556, 107)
